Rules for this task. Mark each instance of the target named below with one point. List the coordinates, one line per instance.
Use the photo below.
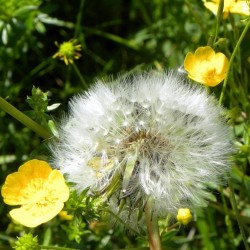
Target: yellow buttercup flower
(68, 51)
(184, 216)
(205, 66)
(230, 6)
(39, 190)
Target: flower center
(40, 194)
(67, 49)
(147, 143)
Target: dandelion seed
(171, 144)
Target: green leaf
(4, 36)
(24, 10)
(169, 235)
(54, 21)
(53, 128)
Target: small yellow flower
(65, 216)
(184, 216)
(230, 6)
(68, 51)
(39, 190)
(205, 66)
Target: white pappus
(148, 135)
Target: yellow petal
(21, 187)
(220, 63)
(198, 78)
(13, 189)
(232, 6)
(240, 7)
(204, 53)
(34, 215)
(212, 7)
(189, 62)
(57, 185)
(213, 80)
(35, 169)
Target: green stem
(177, 224)
(6, 237)
(79, 19)
(24, 119)
(152, 226)
(59, 248)
(228, 220)
(80, 76)
(196, 16)
(129, 43)
(219, 17)
(237, 215)
(231, 60)
(137, 248)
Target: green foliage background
(117, 36)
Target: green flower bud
(27, 242)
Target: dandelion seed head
(150, 135)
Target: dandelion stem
(80, 76)
(24, 119)
(152, 226)
(237, 215)
(232, 58)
